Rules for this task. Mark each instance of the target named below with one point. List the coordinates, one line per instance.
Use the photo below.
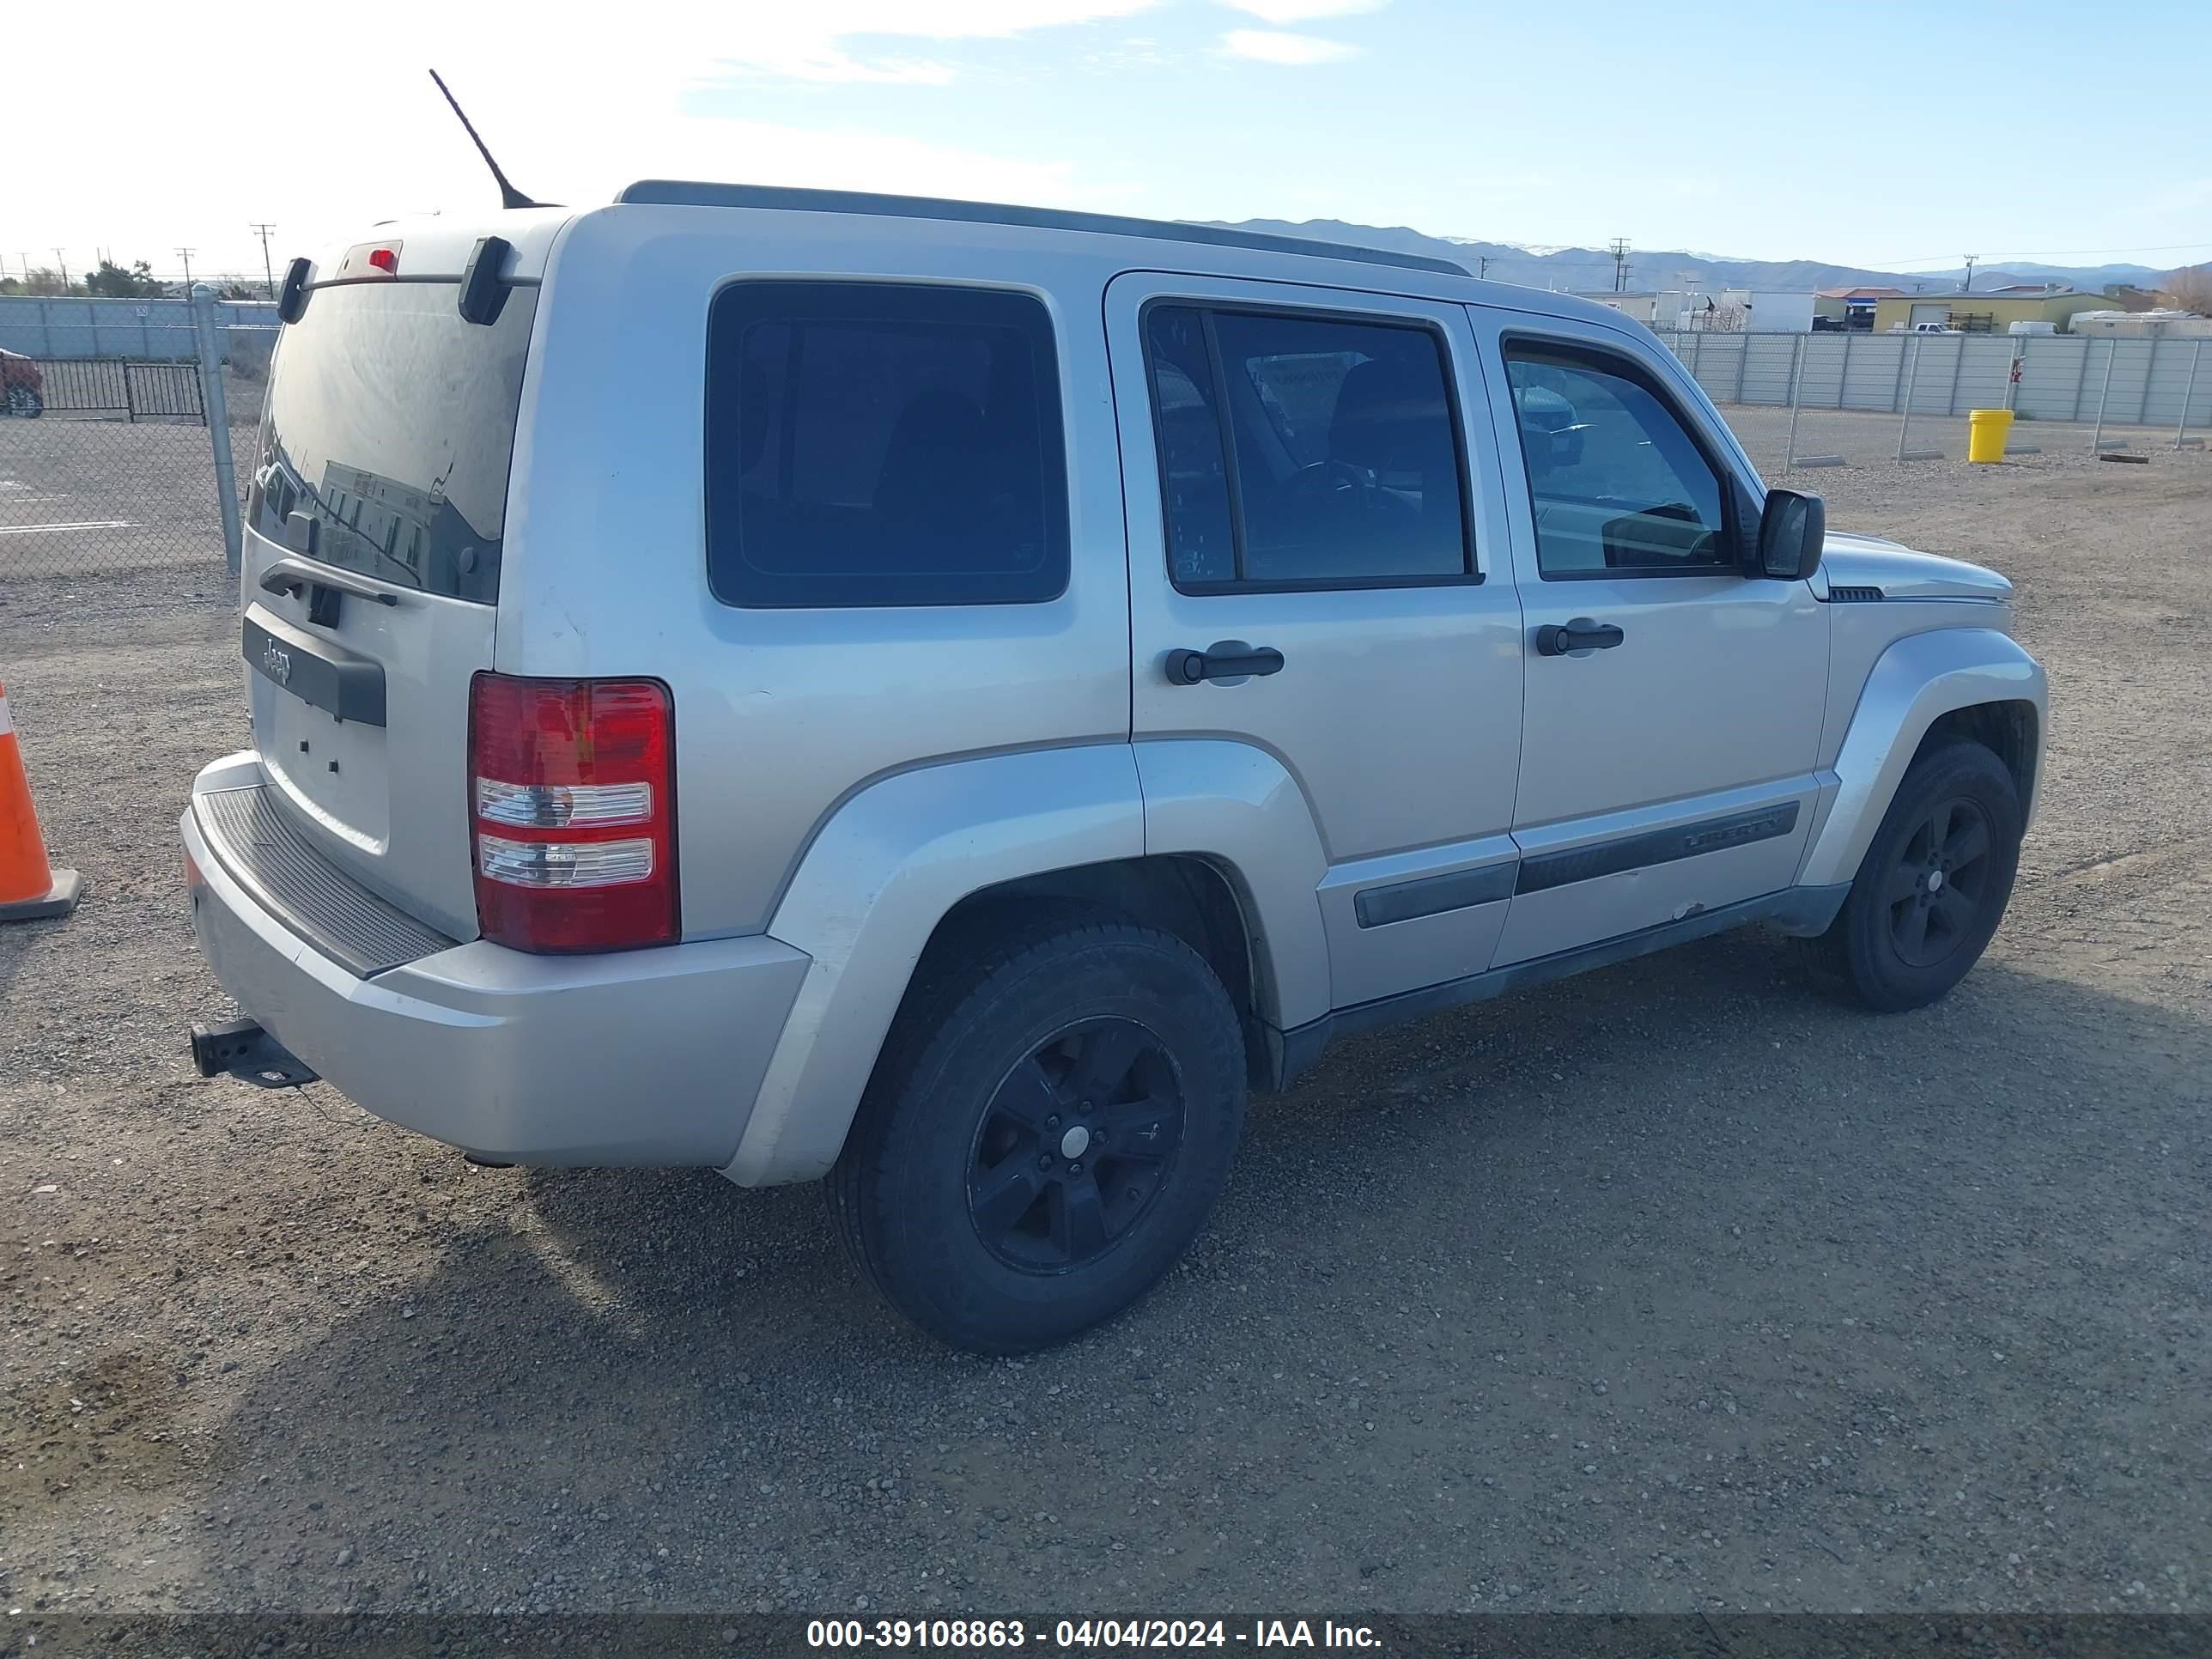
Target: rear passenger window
(869, 444)
(1300, 451)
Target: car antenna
(509, 196)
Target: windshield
(390, 426)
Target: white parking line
(42, 529)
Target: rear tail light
(571, 805)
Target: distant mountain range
(1585, 269)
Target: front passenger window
(1617, 483)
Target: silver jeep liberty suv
(946, 698)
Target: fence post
(1958, 363)
(217, 413)
(1796, 358)
(2150, 373)
(2012, 385)
(2080, 379)
(1912, 348)
(1697, 353)
(1742, 363)
(2111, 350)
(1844, 374)
(2181, 426)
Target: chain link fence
(1856, 399)
(113, 441)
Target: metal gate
(136, 391)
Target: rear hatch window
(390, 429)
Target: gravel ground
(1670, 1288)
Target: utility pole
(185, 254)
(1969, 288)
(63, 263)
(1619, 249)
(1483, 260)
(1688, 279)
(268, 274)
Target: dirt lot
(1673, 1287)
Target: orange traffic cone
(29, 886)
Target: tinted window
(869, 444)
(1344, 465)
(390, 423)
(1617, 482)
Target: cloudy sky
(1875, 134)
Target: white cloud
(814, 41)
(1281, 12)
(573, 114)
(1276, 46)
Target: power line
(2035, 253)
(268, 273)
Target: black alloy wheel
(1074, 1145)
(1932, 886)
(1049, 1123)
(1939, 883)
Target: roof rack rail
(678, 193)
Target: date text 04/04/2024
(978, 1633)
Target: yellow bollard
(1986, 431)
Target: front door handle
(1581, 633)
(1225, 659)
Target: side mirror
(1791, 529)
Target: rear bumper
(640, 1057)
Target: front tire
(25, 402)
(1932, 887)
(1049, 1125)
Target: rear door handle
(1581, 634)
(1225, 659)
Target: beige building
(1993, 312)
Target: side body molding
(1914, 683)
(1238, 806)
(879, 876)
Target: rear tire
(25, 402)
(1932, 887)
(1049, 1125)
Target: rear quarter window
(883, 444)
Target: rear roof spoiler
(483, 291)
(292, 299)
